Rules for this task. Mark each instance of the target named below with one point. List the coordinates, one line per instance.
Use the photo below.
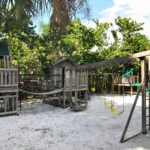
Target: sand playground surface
(44, 127)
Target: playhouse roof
(3, 48)
(61, 61)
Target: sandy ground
(44, 127)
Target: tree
(9, 26)
(130, 41)
(80, 40)
(132, 38)
(62, 10)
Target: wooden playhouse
(73, 81)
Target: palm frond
(62, 10)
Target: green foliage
(62, 11)
(44, 28)
(128, 27)
(34, 52)
(25, 58)
(100, 34)
(79, 41)
(132, 39)
(9, 25)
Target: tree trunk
(61, 15)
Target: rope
(106, 104)
(113, 109)
(112, 92)
(44, 93)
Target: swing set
(144, 59)
(111, 105)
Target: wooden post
(148, 58)
(131, 90)
(59, 101)
(86, 85)
(2, 77)
(119, 80)
(13, 103)
(76, 80)
(71, 78)
(129, 118)
(5, 104)
(86, 78)
(80, 84)
(64, 99)
(143, 81)
(64, 92)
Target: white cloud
(136, 9)
(89, 23)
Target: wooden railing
(39, 82)
(6, 62)
(126, 80)
(8, 77)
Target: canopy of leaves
(33, 52)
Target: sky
(108, 10)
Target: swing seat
(107, 105)
(93, 89)
(115, 112)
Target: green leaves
(132, 39)
(62, 11)
(33, 53)
(80, 40)
(128, 27)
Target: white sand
(44, 127)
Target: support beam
(64, 99)
(143, 81)
(129, 118)
(108, 63)
(148, 59)
(116, 61)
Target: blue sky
(99, 5)
(108, 10)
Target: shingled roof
(60, 61)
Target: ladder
(146, 102)
(146, 112)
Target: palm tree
(62, 10)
